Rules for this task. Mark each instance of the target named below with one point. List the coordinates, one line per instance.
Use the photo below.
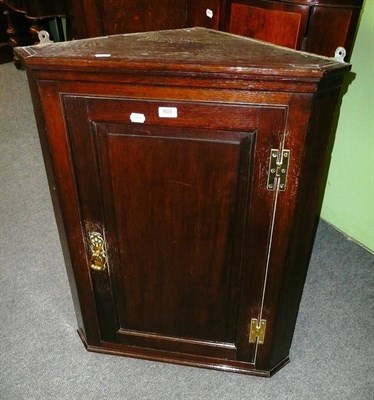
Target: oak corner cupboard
(186, 170)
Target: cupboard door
(171, 199)
(279, 23)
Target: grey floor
(332, 356)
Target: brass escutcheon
(98, 253)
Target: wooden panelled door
(165, 186)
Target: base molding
(180, 359)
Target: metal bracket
(44, 37)
(340, 54)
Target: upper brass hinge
(278, 169)
(257, 330)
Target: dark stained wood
(196, 243)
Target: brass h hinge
(278, 169)
(257, 330)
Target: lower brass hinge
(257, 330)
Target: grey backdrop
(42, 357)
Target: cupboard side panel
(255, 253)
(319, 137)
(57, 152)
(283, 218)
(53, 190)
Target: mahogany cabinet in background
(185, 168)
(332, 22)
(317, 26)
(278, 22)
(22, 20)
(6, 52)
(91, 18)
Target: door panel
(279, 23)
(170, 197)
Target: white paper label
(137, 118)
(209, 13)
(168, 112)
(102, 55)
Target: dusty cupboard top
(191, 50)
